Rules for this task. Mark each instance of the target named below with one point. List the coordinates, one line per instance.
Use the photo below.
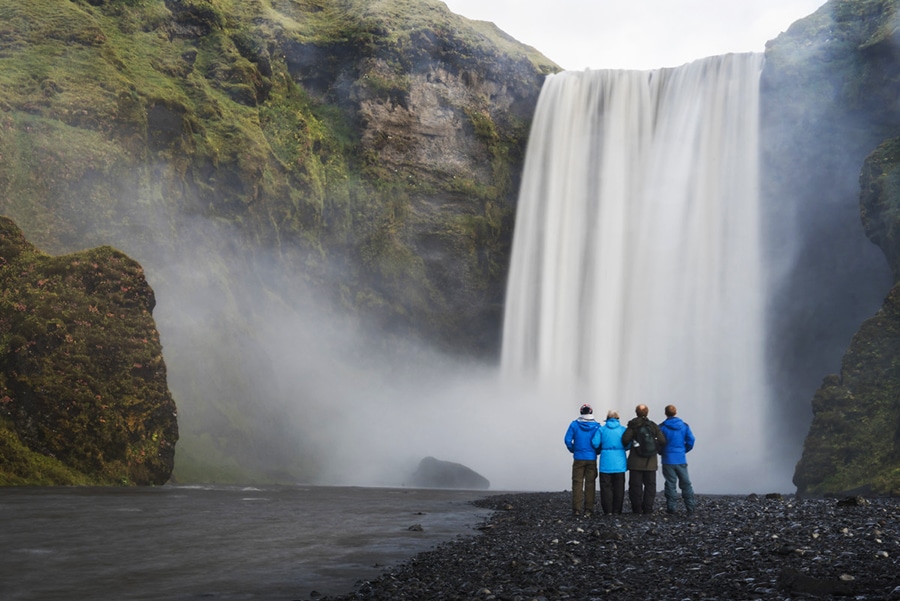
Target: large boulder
(435, 473)
(83, 394)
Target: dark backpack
(645, 441)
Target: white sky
(637, 34)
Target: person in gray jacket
(646, 440)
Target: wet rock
(434, 473)
(856, 501)
(794, 581)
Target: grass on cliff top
(392, 21)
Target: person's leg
(590, 487)
(687, 489)
(670, 473)
(649, 491)
(617, 482)
(635, 490)
(606, 493)
(577, 486)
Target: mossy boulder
(83, 394)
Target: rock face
(434, 473)
(265, 162)
(854, 440)
(829, 98)
(83, 394)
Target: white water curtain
(636, 264)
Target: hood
(673, 422)
(613, 422)
(586, 422)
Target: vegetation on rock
(258, 158)
(83, 393)
(854, 440)
(829, 89)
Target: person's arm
(688, 439)
(660, 437)
(570, 438)
(627, 437)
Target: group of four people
(633, 448)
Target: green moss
(81, 371)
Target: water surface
(272, 543)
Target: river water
(170, 543)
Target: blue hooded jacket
(679, 441)
(608, 441)
(579, 437)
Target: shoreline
(732, 548)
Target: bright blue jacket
(608, 441)
(679, 440)
(579, 436)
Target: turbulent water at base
(636, 266)
(172, 543)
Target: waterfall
(636, 264)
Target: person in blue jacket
(613, 463)
(584, 465)
(679, 441)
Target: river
(219, 543)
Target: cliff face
(830, 96)
(83, 395)
(286, 173)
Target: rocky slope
(83, 395)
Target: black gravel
(732, 548)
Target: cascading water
(636, 266)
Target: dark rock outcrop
(829, 97)
(854, 439)
(434, 473)
(83, 393)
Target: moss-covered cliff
(282, 169)
(854, 440)
(83, 394)
(830, 89)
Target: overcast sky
(638, 34)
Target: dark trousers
(612, 492)
(584, 485)
(641, 490)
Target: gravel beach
(731, 548)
